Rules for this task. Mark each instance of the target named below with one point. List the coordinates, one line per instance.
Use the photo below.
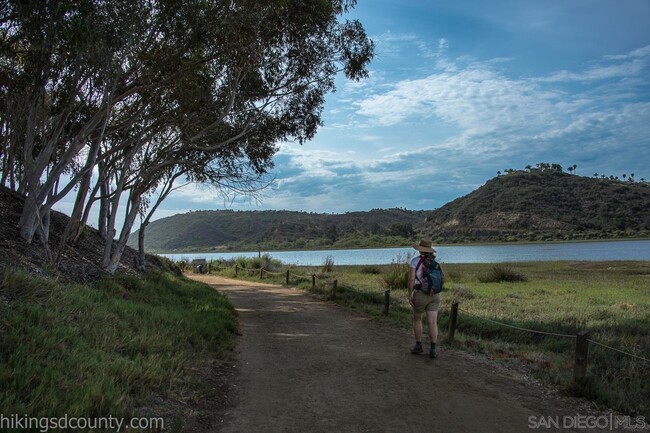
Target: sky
(460, 90)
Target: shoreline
(457, 244)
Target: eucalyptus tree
(117, 95)
(60, 63)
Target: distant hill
(530, 205)
(544, 205)
(267, 230)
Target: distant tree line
(554, 167)
(117, 102)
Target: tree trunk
(118, 248)
(142, 260)
(29, 219)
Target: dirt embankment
(309, 366)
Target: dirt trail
(309, 366)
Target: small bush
(184, 264)
(328, 265)
(461, 292)
(373, 270)
(454, 275)
(397, 276)
(270, 264)
(501, 273)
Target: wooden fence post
(313, 281)
(287, 277)
(236, 270)
(261, 273)
(453, 319)
(334, 286)
(582, 350)
(386, 302)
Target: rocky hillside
(226, 229)
(544, 205)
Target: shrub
(462, 292)
(397, 276)
(184, 264)
(270, 264)
(328, 265)
(373, 270)
(501, 273)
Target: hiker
(423, 302)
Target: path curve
(310, 366)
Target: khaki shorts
(423, 302)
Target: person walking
(422, 302)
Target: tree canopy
(114, 99)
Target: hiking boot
(417, 349)
(432, 353)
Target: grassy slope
(611, 299)
(99, 351)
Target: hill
(252, 230)
(80, 262)
(544, 205)
(532, 205)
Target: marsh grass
(95, 351)
(612, 299)
(502, 273)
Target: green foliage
(207, 62)
(95, 351)
(397, 275)
(328, 265)
(266, 261)
(502, 273)
(462, 293)
(374, 270)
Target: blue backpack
(432, 277)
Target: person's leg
(417, 326)
(419, 305)
(432, 319)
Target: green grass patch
(99, 351)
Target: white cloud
(476, 98)
(496, 112)
(632, 64)
(443, 45)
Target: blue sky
(460, 90)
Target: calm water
(591, 251)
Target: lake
(544, 251)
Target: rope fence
(534, 331)
(581, 347)
(619, 350)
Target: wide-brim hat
(424, 246)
